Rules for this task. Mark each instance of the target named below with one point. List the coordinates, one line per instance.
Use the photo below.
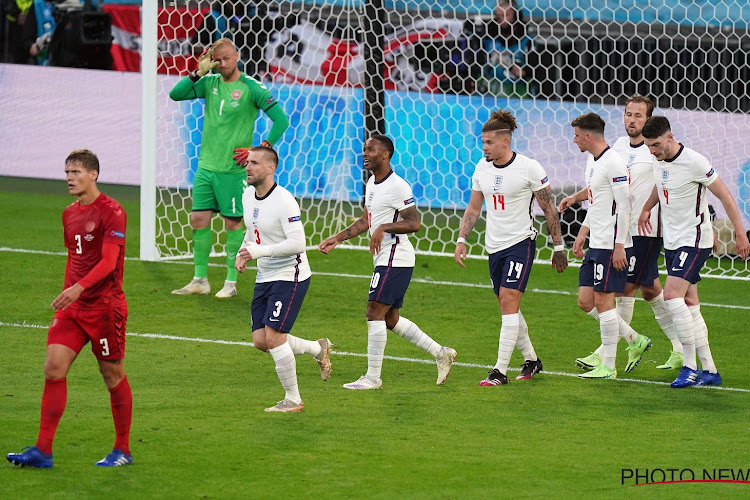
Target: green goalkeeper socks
(234, 241)
(202, 240)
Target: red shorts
(105, 328)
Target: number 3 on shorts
(105, 347)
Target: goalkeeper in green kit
(233, 101)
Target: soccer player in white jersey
(604, 268)
(390, 214)
(643, 255)
(509, 182)
(275, 237)
(682, 177)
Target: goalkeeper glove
(240, 154)
(205, 64)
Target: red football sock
(53, 405)
(121, 400)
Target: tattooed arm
(358, 227)
(547, 204)
(409, 224)
(468, 222)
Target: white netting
(445, 67)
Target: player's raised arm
(719, 189)
(547, 204)
(358, 227)
(468, 221)
(190, 87)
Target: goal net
(429, 73)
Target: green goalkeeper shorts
(219, 192)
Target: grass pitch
(199, 389)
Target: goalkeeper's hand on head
(240, 154)
(205, 63)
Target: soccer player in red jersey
(91, 308)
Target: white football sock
(286, 369)
(303, 346)
(595, 314)
(609, 329)
(508, 339)
(376, 339)
(701, 340)
(624, 307)
(626, 332)
(524, 342)
(664, 318)
(683, 325)
(411, 332)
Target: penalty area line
(160, 336)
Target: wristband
(460, 240)
(193, 75)
(559, 248)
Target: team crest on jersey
(710, 173)
(296, 218)
(88, 237)
(90, 225)
(409, 201)
(117, 234)
(664, 175)
(369, 199)
(256, 211)
(236, 94)
(631, 160)
(498, 180)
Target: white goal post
(428, 74)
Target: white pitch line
(159, 336)
(369, 277)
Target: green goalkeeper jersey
(229, 117)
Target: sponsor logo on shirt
(498, 180)
(296, 218)
(116, 234)
(710, 173)
(546, 179)
(622, 178)
(409, 201)
(236, 94)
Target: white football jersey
(640, 163)
(268, 221)
(384, 200)
(681, 184)
(609, 200)
(508, 197)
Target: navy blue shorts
(643, 260)
(389, 284)
(597, 271)
(686, 262)
(277, 303)
(510, 268)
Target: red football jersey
(86, 229)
